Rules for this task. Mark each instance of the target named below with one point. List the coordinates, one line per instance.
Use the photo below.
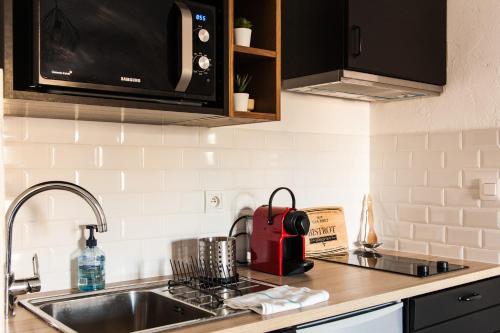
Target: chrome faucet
(13, 287)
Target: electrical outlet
(213, 201)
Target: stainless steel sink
(116, 311)
(146, 307)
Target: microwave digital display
(201, 17)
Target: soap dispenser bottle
(91, 265)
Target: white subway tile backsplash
(490, 159)
(182, 179)
(39, 130)
(413, 246)
(16, 181)
(399, 160)
(121, 205)
(405, 230)
(222, 137)
(14, 129)
(386, 211)
(429, 233)
(471, 177)
(179, 136)
(427, 195)
(66, 206)
(426, 159)
(480, 139)
(75, 157)
(445, 215)
(279, 140)
(491, 239)
(395, 194)
(461, 198)
(248, 179)
(376, 162)
(383, 143)
(412, 142)
(141, 135)
(143, 181)
(448, 251)
(412, 177)
(383, 177)
(100, 181)
(390, 228)
(445, 178)
(35, 176)
(234, 159)
(447, 141)
(412, 213)
(463, 236)
(306, 141)
(192, 202)
(144, 227)
(162, 158)
(27, 156)
(217, 179)
(389, 243)
(120, 157)
(444, 211)
(462, 159)
(200, 159)
(482, 218)
(253, 139)
(96, 133)
(488, 256)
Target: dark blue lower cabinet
(473, 307)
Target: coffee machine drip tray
(392, 263)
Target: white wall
(151, 180)
(428, 154)
(471, 98)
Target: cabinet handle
(356, 41)
(470, 298)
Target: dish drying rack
(208, 281)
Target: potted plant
(240, 96)
(242, 31)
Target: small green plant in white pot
(242, 31)
(241, 96)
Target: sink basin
(118, 312)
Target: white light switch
(488, 189)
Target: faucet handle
(35, 266)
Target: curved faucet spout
(11, 215)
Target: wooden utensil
(371, 238)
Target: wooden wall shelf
(255, 51)
(262, 60)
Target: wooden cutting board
(328, 233)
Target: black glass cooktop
(392, 263)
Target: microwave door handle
(186, 47)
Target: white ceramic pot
(241, 102)
(242, 36)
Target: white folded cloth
(278, 299)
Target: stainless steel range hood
(360, 86)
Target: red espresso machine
(278, 242)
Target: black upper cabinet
(404, 39)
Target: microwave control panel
(204, 49)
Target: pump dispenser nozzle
(91, 241)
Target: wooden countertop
(351, 288)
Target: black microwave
(161, 49)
